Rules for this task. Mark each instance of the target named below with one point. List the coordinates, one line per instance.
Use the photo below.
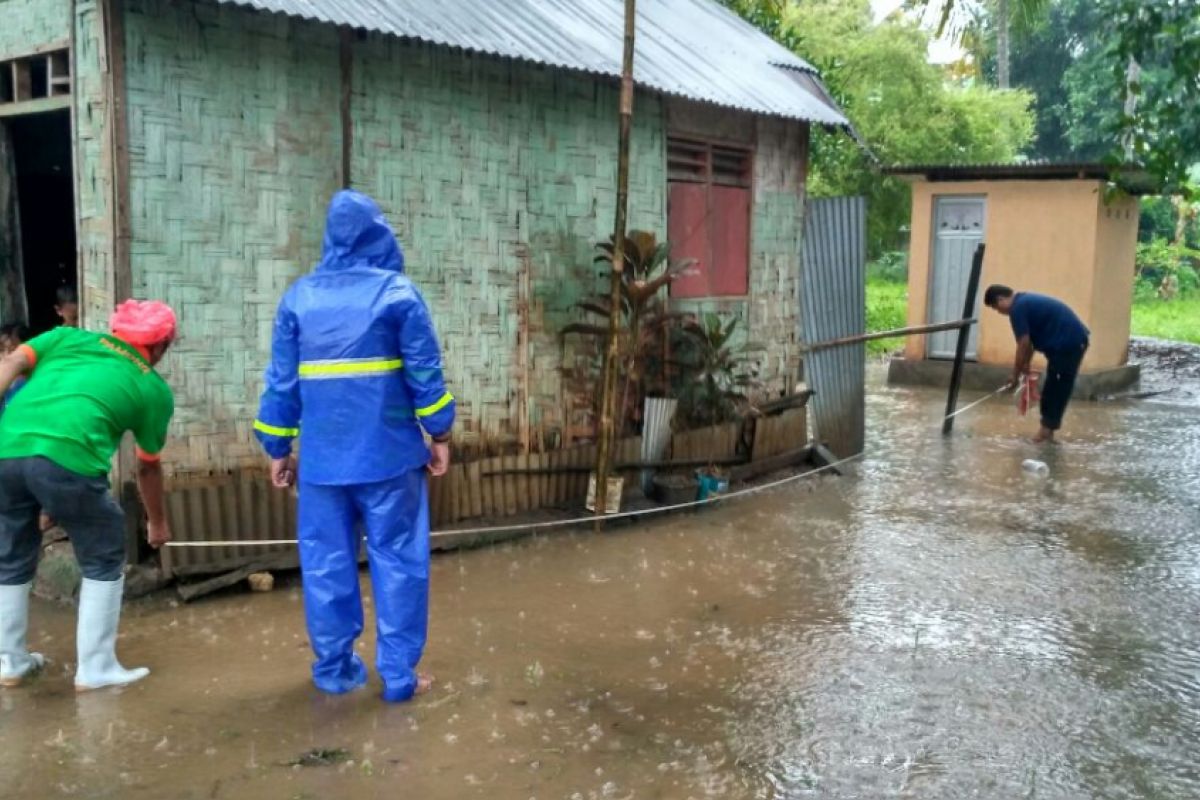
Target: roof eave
(836, 120)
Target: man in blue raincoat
(356, 374)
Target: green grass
(887, 309)
(1177, 319)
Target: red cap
(143, 322)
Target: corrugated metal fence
(833, 305)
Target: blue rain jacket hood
(356, 369)
(358, 235)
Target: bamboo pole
(866, 337)
(608, 394)
(964, 334)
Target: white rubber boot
(96, 637)
(16, 662)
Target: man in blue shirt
(1050, 327)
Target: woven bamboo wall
(234, 143)
(30, 25)
(780, 183)
(94, 168)
(501, 177)
(498, 176)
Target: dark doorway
(40, 154)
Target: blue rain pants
(395, 514)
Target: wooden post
(116, 156)
(608, 393)
(118, 121)
(964, 334)
(346, 69)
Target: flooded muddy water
(937, 625)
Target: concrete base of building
(989, 377)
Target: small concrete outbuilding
(1056, 229)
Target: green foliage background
(1068, 61)
(902, 106)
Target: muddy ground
(1170, 370)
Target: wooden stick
(964, 333)
(867, 337)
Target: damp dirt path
(936, 625)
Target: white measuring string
(564, 523)
(983, 399)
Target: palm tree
(956, 16)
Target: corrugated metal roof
(1035, 169)
(692, 48)
(1130, 178)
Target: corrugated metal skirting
(833, 305)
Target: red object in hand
(1028, 394)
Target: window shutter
(730, 166)
(687, 160)
(687, 230)
(708, 216)
(728, 272)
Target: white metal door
(957, 231)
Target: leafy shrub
(1169, 268)
(1157, 219)
(1144, 290)
(715, 375)
(891, 267)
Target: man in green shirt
(57, 439)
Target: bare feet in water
(424, 684)
(1044, 435)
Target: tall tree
(1059, 61)
(901, 105)
(1163, 37)
(987, 27)
(1149, 53)
(1067, 62)
(1003, 52)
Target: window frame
(39, 77)
(704, 174)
